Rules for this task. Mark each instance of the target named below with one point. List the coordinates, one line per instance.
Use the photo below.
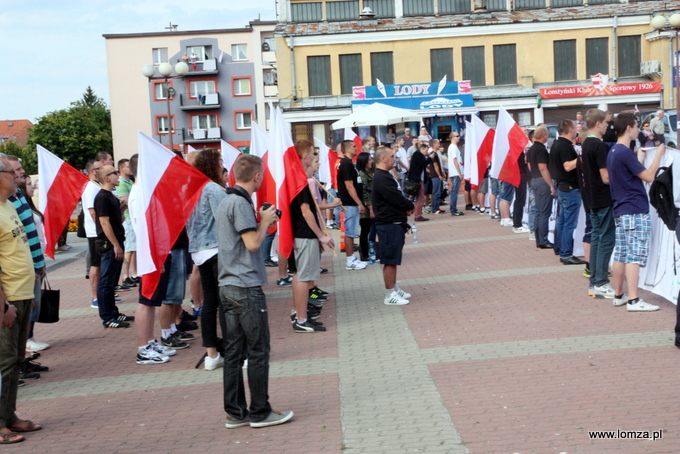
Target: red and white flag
(508, 145)
(169, 188)
(289, 175)
(468, 164)
(325, 174)
(482, 147)
(60, 188)
(259, 146)
(350, 135)
(229, 156)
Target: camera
(266, 207)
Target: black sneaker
(293, 318)
(323, 270)
(181, 335)
(21, 383)
(121, 288)
(318, 291)
(313, 311)
(174, 343)
(317, 299)
(130, 283)
(187, 325)
(270, 263)
(29, 366)
(285, 281)
(115, 324)
(187, 316)
(29, 375)
(309, 326)
(125, 318)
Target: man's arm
(349, 184)
(93, 214)
(6, 316)
(570, 165)
(253, 238)
(545, 173)
(314, 226)
(649, 174)
(108, 231)
(604, 174)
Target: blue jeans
(543, 203)
(108, 279)
(436, 193)
(570, 203)
(246, 336)
(177, 280)
(455, 189)
(602, 241)
(267, 246)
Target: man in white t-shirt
(91, 190)
(401, 161)
(455, 172)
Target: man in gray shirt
(244, 308)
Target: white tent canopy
(376, 114)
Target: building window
(160, 55)
(530, 4)
(597, 56)
(350, 73)
(268, 43)
(563, 3)
(628, 55)
(306, 12)
(454, 6)
(496, 5)
(418, 7)
(342, 10)
(490, 119)
(203, 53)
(201, 87)
(381, 8)
(160, 90)
(242, 87)
(270, 77)
(441, 64)
(319, 75)
(162, 124)
(239, 52)
(473, 65)
(505, 64)
(564, 58)
(204, 121)
(382, 68)
(243, 120)
(524, 118)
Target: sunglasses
(115, 172)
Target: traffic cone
(342, 231)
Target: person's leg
(208, 274)
(543, 201)
(255, 325)
(390, 276)
(300, 296)
(144, 321)
(436, 194)
(455, 189)
(632, 272)
(234, 304)
(593, 255)
(351, 230)
(196, 288)
(110, 271)
(12, 352)
(495, 191)
(420, 200)
(618, 275)
(94, 273)
(365, 224)
(267, 246)
(133, 264)
(571, 205)
(520, 201)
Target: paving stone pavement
(500, 351)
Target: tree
(77, 133)
(27, 155)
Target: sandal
(9, 438)
(28, 426)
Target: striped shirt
(26, 216)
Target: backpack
(661, 196)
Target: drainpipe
(292, 67)
(614, 48)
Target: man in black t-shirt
(563, 160)
(541, 185)
(109, 243)
(350, 193)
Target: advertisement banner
(601, 89)
(425, 96)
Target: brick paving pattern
(500, 351)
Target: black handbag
(49, 304)
(411, 187)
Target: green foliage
(27, 155)
(77, 133)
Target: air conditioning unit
(650, 68)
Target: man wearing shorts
(631, 211)
(89, 194)
(308, 240)
(391, 211)
(349, 191)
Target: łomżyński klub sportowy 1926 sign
(601, 87)
(434, 96)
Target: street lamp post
(672, 24)
(166, 69)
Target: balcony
(197, 136)
(271, 91)
(268, 57)
(203, 102)
(204, 68)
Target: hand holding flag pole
(329, 194)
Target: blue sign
(428, 96)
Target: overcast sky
(54, 49)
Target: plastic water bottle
(371, 253)
(414, 229)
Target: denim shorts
(495, 186)
(352, 222)
(130, 238)
(507, 191)
(633, 233)
(177, 278)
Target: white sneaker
(620, 301)
(33, 345)
(395, 300)
(506, 222)
(532, 237)
(162, 350)
(355, 264)
(150, 356)
(520, 230)
(403, 294)
(214, 363)
(641, 306)
(604, 291)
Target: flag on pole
(169, 188)
(60, 188)
(467, 158)
(289, 175)
(508, 145)
(229, 156)
(482, 148)
(325, 174)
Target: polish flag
(60, 188)
(229, 156)
(350, 135)
(468, 163)
(325, 174)
(289, 175)
(169, 188)
(508, 145)
(482, 147)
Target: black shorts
(95, 258)
(468, 186)
(159, 295)
(391, 237)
